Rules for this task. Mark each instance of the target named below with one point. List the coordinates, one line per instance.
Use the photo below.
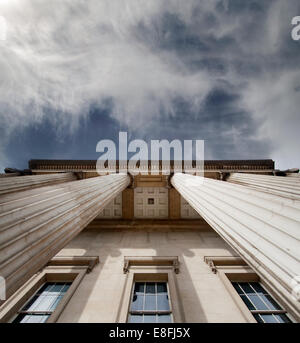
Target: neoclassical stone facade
(206, 240)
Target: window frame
(60, 269)
(154, 280)
(151, 269)
(22, 311)
(234, 269)
(253, 312)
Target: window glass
(149, 318)
(150, 287)
(39, 308)
(248, 302)
(137, 302)
(257, 302)
(150, 303)
(161, 287)
(164, 318)
(163, 302)
(268, 318)
(263, 307)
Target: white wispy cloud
(66, 55)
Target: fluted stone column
(9, 175)
(263, 228)
(281, 185)
(36, 224)
(21, 183)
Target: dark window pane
(149, 318)
(19, 318)
(161, 287)
(272, 304)
(282, 318)
(163, 302)
(30, 303)
(66, 287)
(150, 288)
(139, 287)
(258, 318)
(246, 287)
(237, 288)
(150, 303)
(258, 303)
(258, 288)
(248, 302)
(268, 318)
(137, 302)
(136, 318)
(164, 318)
(46, 287)
(49, 288)
(57, 288)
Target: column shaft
(36, 224)
(281, 185)
(263, 228)
(21, 183)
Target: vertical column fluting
(263, 228)
(281, 185)
(36, 224)
(21, 183)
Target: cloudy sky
(73, 72)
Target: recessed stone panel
(151, 202)
(113, 209)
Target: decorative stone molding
(155, 225)
(262, 228)
(88, 261)
(258, 166)
(151, 261)
(281, 185)
(214, 261)
(21, 183)
(36, 224)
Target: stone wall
(202, 294)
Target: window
(262, 306)
(150, 294)
(150, 303)
(248, 290)
(39, 308)
(45, 295)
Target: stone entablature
(266, 165)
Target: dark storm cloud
(227, 130)
(41, 140)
